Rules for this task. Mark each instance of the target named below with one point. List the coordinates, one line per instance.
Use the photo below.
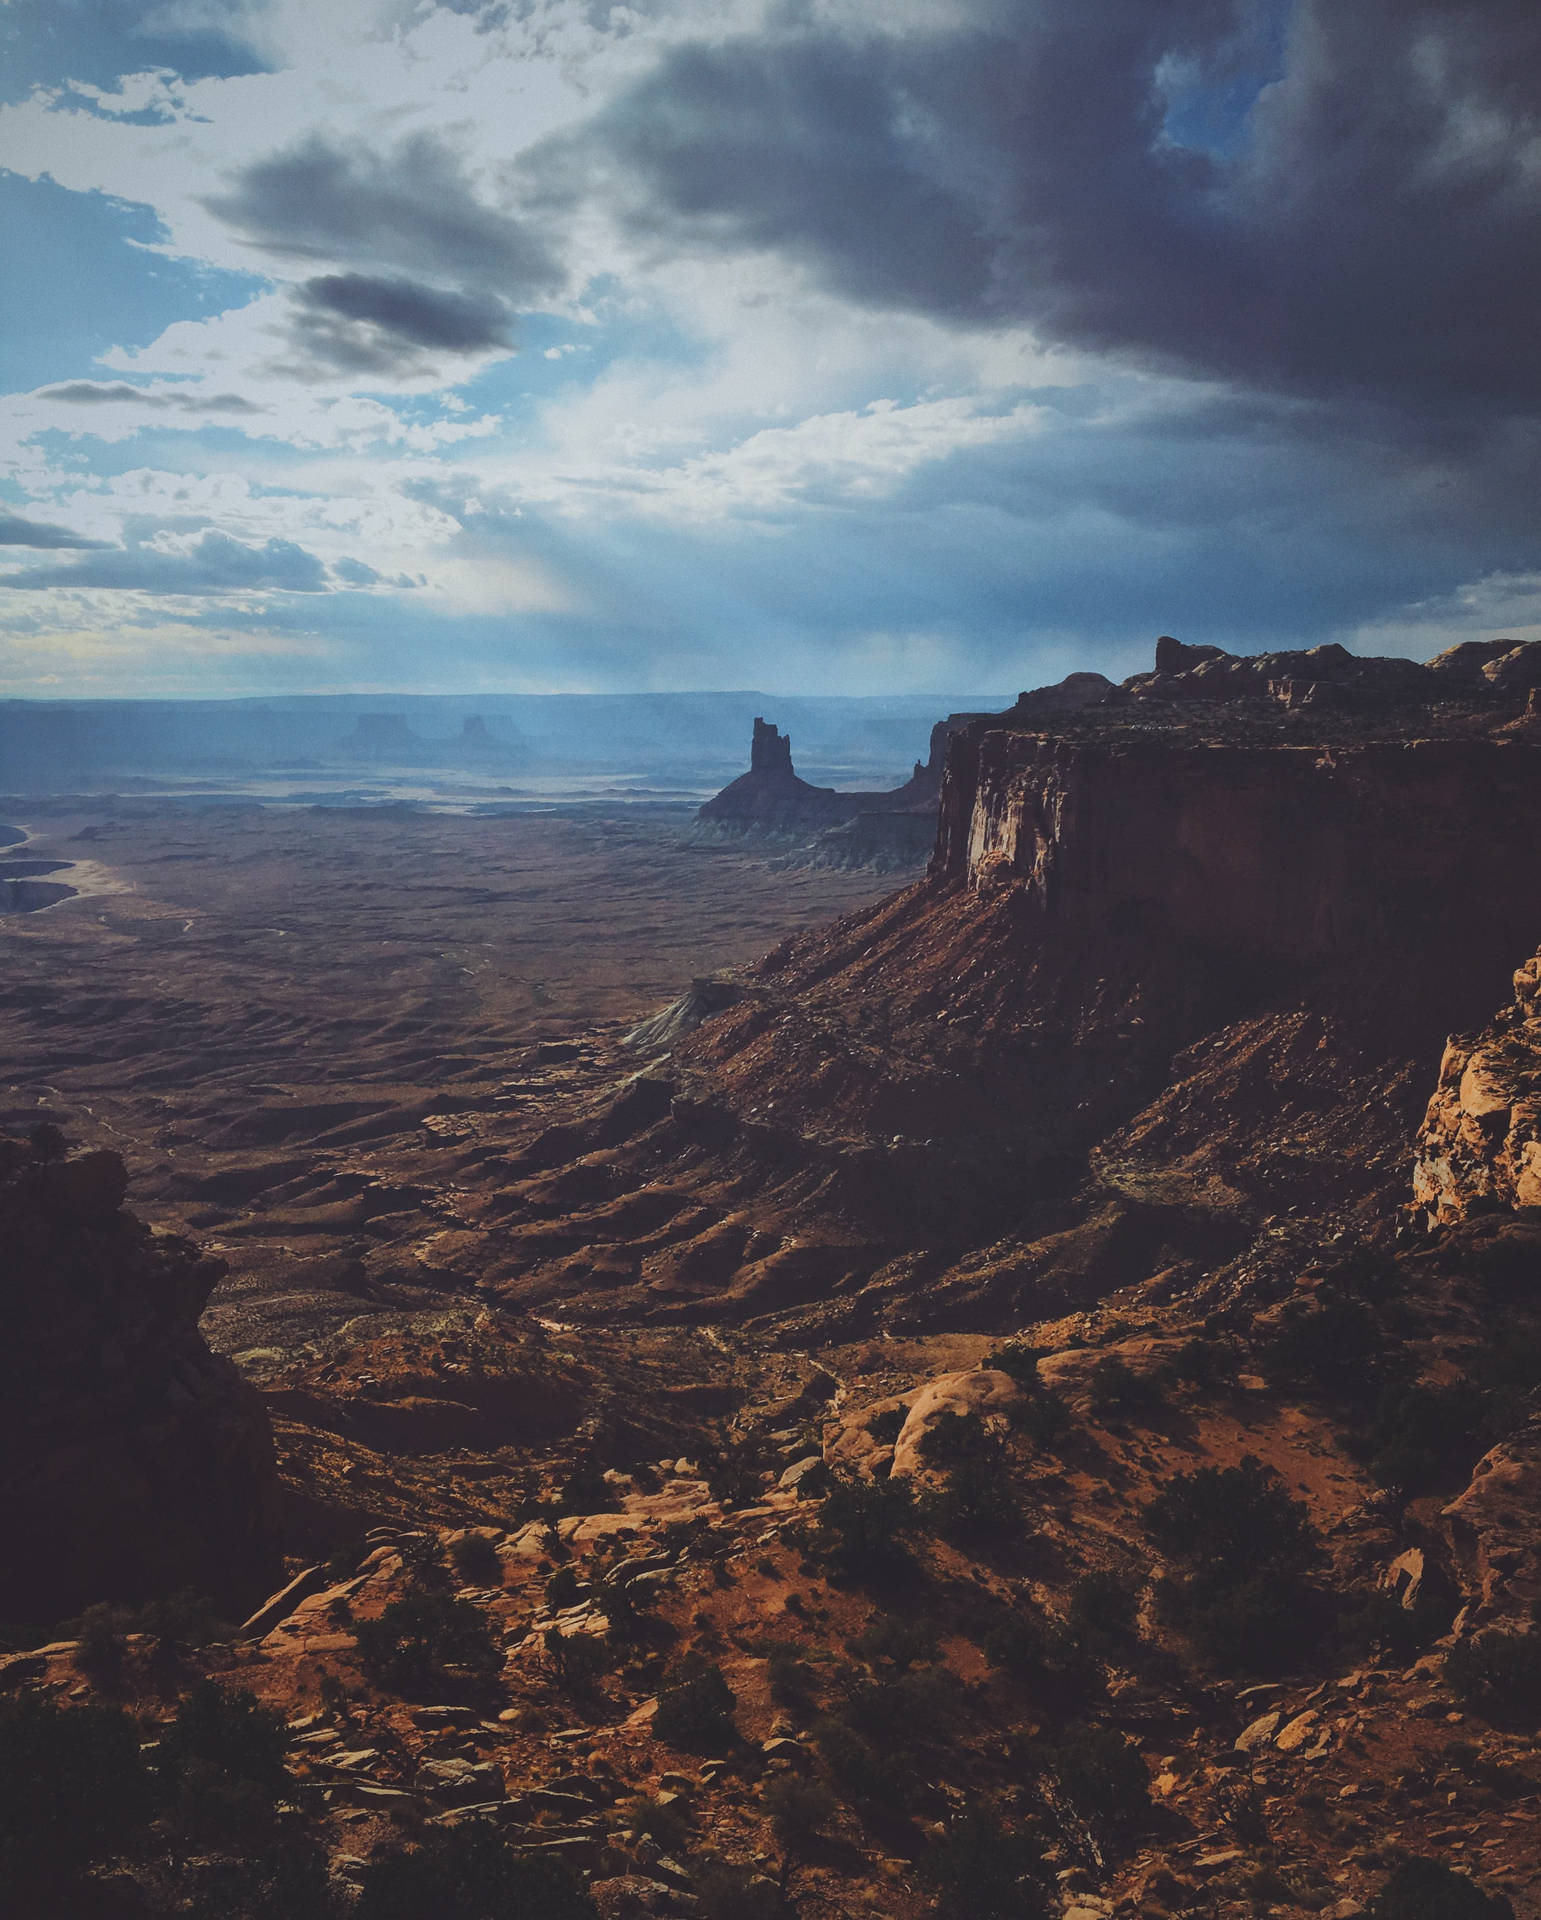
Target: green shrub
(736, 1475)
(976, 1503)
(1335, 1346)
(475, 1559)
(1115, 1386)
(731, 1892)
(793, 1682)
(983, 1871)
(1041, 1417)
(73, 1790)
(563, 1588)
(586, 1490)
(424, 1565)
(1018, 1360)
(1378, 1622)
(1429, 1890)
(1041, 1652)
(885, 1427)
(797, 1809)
(102, 1645)
(1421, 1433)
(1103, 1610)
(661, 1820)
(1498, 1672)
(953, 1439)
(232, 1732)
(421, 1636)
(865, 1526)
(865, 1774)
(345, 1558)
(1228, 1525)
(1202, 1362)
(285, 1879)
(470, 1873)
(182, 1620)
(695, 1706)
(899, 1639)
(577, 1659)
(1103, 1776)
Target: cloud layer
(787, 340)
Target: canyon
(1181, 1120)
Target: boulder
(981, 1390)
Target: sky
(829, 346)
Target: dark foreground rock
(135, 1462)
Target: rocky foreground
(1027, 1401)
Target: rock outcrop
(135, 1462)
(1479, 1149)
(772, 799)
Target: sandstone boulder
(1494, 1530)
(982, 1390)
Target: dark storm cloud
(411, 209)
(101, 393)
(16, 532)
(216, 564)
(359, 324)
(1372, 224)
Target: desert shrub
(728, 1891)
(577, 1659)
(797, 1809)
(1378, 1621)
(423, 1564)
(1114, 1386)
(1103, 1609)
(470, 1873)
(1040, 1651)
(885, 1427)
(47, 1142)
(736, 1475)
(420, 1636)
(629, 1608)
(865, 1526)
(955, 1438)
(976, 1503)
(661, 1820)
(1230, 1524)
(1335, 1346)
(1202, 1362)
(563, 1588)
(793, 1682)
(983, 1871)
(1498, 1672)
(475, 1559)
(900, 1639)
(1422, 1432)
(345, 1558)
(1041, 1417)
(695, 1706)
(102, 1646)
(231, 1731)
(906, 1709)
(1429, 1890)
(285, 1879)
(585, 1490)
(1018, 1360)
(864, 1773)
(1103, 1776)
(73, 1789)
(181, 1620)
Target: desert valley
(613, 1359)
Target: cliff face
(1479, 1149)
(135, 1461)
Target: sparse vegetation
(695, 1706)
(797, 1809)
(1498, 1672)
(73, 1789)
(475, 1559)
(470, 1873)
(983, 1870)
(1429, 1890)
(1243, 1547)
(424, 1637)
(865, 1527)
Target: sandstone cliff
(134, 1460)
